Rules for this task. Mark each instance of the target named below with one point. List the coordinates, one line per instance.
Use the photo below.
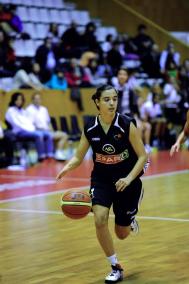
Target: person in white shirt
(24, 79)
(23, 127)
(151, 111)
(40, 117)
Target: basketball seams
(76, 204)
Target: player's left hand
(122, 183)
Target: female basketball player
(119, 157)
(181, 137)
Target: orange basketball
(76, 204)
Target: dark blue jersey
(113, 155)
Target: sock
(112, 259)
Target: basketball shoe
(134, 227)
(115, 275)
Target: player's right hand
(60, 174)
(174, 148)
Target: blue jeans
(43, 141)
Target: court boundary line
(83, 187)
(53, 212)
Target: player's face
(108, 102)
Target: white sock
(113, 259)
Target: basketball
(76, 204)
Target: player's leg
(101, 215)
(101, 196)
(125, 208)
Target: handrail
(148, 21)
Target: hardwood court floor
(39, 245)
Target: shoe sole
(109, 281)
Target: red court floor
(41, 177)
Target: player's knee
(122, 233)
(101, 220)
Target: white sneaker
(148, 149)
(60, 156)
(135, 227)
(115, 275)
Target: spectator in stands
(169, 61)
(93, 72)
(7, 140)
(89, 41)
(171, 101)
(53, 33)
(75, 75)
(130, 48)
(114, 58)
(151, 62)
(23, 127)
(70, 45)
(152, 112)
(183, 77)
(46, 58)
(40, 117)
(127, 97)
(9, 20)
(143, 41)
(108, 43)
(7, 56)
(57, 81)
(28, 78)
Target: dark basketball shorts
(125, 203)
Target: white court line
(43, 194)
(41, 177)
(86, 179)
(51, 212)
(77, 188)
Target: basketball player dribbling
(181, 138)
(119, 158)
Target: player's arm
(138, 146)
(78, 157)
(181, 138)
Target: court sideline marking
(51, 212)
(82, 187)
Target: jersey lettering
(112, 159)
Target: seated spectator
(151, 62)
(9, 20)
(143, 41)
(172, 100)
(143, 126)
(129, 47)
(40, 117)
(46, 58)
(7, 140)
(57, 81)
(169, 61)
(89, 41)
(184, 87)
(53, 33)
(23, 127)
(92, 70)
(7, 56)
(31, 79)
(108, 43)
(151, 111)
(75, 75)
(70, 45)
(114, 57)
